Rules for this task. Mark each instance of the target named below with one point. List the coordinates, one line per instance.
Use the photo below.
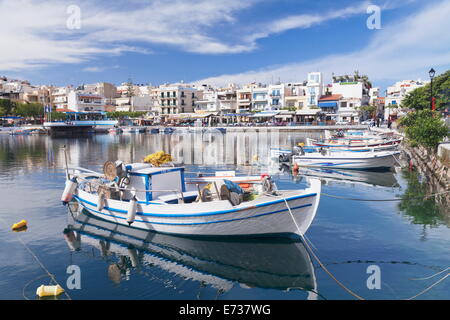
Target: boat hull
(254, 218)
(382, 161)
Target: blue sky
(219, 42)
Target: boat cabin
(161, 183)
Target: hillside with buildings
(306, 101)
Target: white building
(209, 101)
(314, 87)
(59, 97)
(397, 92)
(260, 98)
(85, 102)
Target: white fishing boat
(161, 199)
(347, 159)
(352, 143)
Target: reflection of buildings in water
(235, 148)
(199, 148)
(265, 263)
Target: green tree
(420, 98)
(29, 110)
(425, 128)
(7, 106)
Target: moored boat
(351, 143)
(347, 159)
(161, 199)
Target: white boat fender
(100, 201)
(267, 185)
(67, 194)
(132, 208)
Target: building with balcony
(59, 98)
(314, 88)
(176, 98)
(397, 92)
(81, 102)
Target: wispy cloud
(405, 49)
(36, 34)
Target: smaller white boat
(351, 143)
(347, 159)
(133, 129)
(115, 130)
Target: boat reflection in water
(272, 263)
(380, 178)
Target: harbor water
(379, 249)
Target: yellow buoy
(47, 291)
(19, 225)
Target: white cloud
(404, 49)
(34, 32)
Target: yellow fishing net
(158, 158)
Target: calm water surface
(406, 239)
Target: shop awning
(283, 116)
(266, 114)
(308, 112)
(328, 104)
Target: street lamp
(431, 73)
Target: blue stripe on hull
(176, 215)
(198, 223)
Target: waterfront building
(314, 87)
(227, 99)
(59, 98)
(80, 101)
(354, 90)
(295, 96)
(209, 101)
(244, 98)
(396, 93)
(277, 93)
(176, 98)
(329, 105)
(260, 98)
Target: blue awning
(328, 104)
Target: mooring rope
(307, 245)
(317, 258)
(384, 200)
(430, 287)
(48, 273)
